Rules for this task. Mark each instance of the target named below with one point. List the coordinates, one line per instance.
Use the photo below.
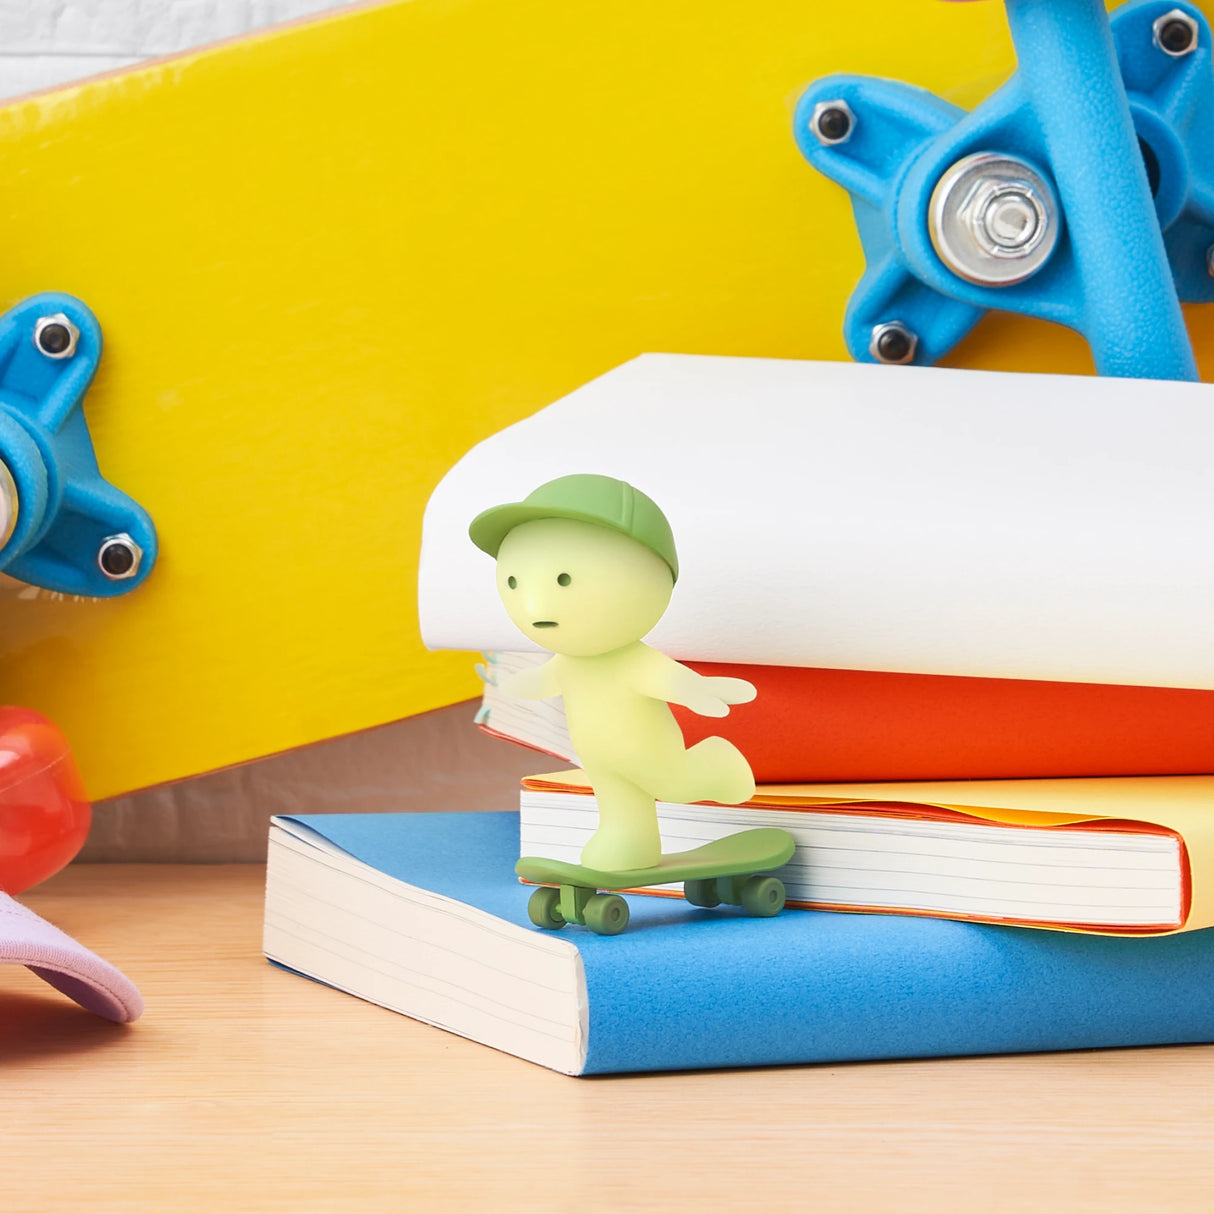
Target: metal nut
(832, 122)
(892, 343)
(1175, 33)
(119, 557)
(993, 219)
(56, 336)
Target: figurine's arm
(710, 696)
(537, 683)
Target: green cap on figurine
(585, 498)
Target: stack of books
(972, 612)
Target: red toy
(44, 812)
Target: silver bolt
(10, 504)
(1175, 33)
(1210, 261)
(993, 219)
(1012, 219)
(832, 122)
(119, 557)
(892, 342)
(56, 336)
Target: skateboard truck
(62, 525)
(1081, 192)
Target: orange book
(817, 726)
(1122, 856)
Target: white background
(48, 42)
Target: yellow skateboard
(330, 258)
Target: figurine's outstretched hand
(707, 696)
(732, 691)
(711, 695)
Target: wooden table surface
(244, 1088)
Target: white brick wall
(49, 42)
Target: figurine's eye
(563, 579)
(512, 582)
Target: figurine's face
(579, 589)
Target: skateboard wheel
(702, 892)
(763, 896)
(606, 914)
(543, 908)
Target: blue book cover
(423, 912)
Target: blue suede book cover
(686, 988)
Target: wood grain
(250, 1089)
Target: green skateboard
(728, 870)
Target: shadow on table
(33, 1026)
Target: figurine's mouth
(543, 623)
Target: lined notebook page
(1072, 876)
(340, 921)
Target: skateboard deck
(330, 258)
(725, 870)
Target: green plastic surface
(762, 896)
(587, 498)
(702, 893)
(606, 914)
(544, 908)
(749, 851)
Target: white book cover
(847, 516)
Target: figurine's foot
(620, 850)
(722, 773)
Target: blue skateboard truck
(62, 525)
(1081, 192)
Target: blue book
(422, 913)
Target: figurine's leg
(627, 836)
(712, 770)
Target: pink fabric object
(68, 966)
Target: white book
(539, 724)
(422, 913)
(348, 923)
(857, 517)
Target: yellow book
(1118, 856)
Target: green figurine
(585, 568)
